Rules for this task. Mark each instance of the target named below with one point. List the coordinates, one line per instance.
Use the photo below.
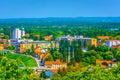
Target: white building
(111, 43)
(16, 33)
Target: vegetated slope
(28, 61)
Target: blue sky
(59, 8)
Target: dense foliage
(97, 73)
(10, 70)
(40, 28)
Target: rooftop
(58, 62)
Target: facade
(24, 47)
(1, 47)
(111, 43)
(106, 63)
(17, 43)
(16, 33)
(43, 44)
(55, 64)
(91, 41)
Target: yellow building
(42, 44)
(24, 47)
(1, 47)
(94, 42)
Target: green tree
(12, 47)
(10, 70)
(43, 75)
(56, 77)
(102, 48)
(32, 50)
(57, 55)
(50, 58)
(78, 54)
(28, 51)
(118, 55)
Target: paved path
(38, 62)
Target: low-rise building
(1, 47)
(48, 37)
(91, 41)
(103, 37)
(55, 64)
(106, 63)
(43, 44)
(3, 41)
(111, 43)
(117, 47)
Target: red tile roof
(101, 61)
(46, 55)
(38, 51)
(49, 62)
(54, 62)
(103, 37)
(48, 37)
(54, 70)
(116, 46)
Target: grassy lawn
(28, 61)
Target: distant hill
(59, 19)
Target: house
(38, 51)
(106, 63)
(3, 41)
(118, 47)
(27, 35)
(103, 37)
(55, 64)
(111, 43)
(48, 37)
(54, 70)
(25, 46)
(1, 47)
(99, 43)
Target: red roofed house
(1, 47)
(106, 63)
(27, 35)
(118, 47)
(55, 64)
(103, 37)
(48, 37)
(54, 70)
